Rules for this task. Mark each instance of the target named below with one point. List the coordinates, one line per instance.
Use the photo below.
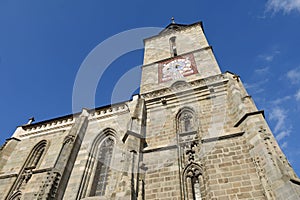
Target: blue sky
(43, 43)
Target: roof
(175, 27)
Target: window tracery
(186, 121)
(32, 162)
(36, 155)
(102, 170)
(193, 182)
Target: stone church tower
(192, 133)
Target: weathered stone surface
(197, 136)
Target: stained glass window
(102, 168)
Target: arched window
(36, 155)
(193, 187)
(173, 46)
(32, 162)
(102, 170)
(16, 196)
(186, 121)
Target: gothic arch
(97, 170)
(102, 167)
(107, 132)
(192, 182)
(179, 85)
(186, 120)
(16, 196)
(36, 154)
(32, 161)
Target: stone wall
(187, 39)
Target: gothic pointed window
(173, 46)
(36, 155)
(102, 170)
(32, 162)
(16, 196)
(193, 183)
(186, 121)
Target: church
(192, 133)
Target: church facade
(192, 133)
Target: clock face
(177, 68)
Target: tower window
(193, 186)
(173, 46)
(186, 121)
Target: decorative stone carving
(276, 155)
(236, 77)
(187, 86)
(69, 139)
(189, 152)
(27, 175)
(24, 179)
(186, 122)
(258, 162)
(49, 186)
(110, 111)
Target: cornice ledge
(248, 115)
(162, 148)
(49, 125)
(187, 86)
(222, 137)
(47, 130)
(3, 176)
(134, 134)
(109, 111)
(295, 181)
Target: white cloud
(297, 95)
(256, 84)
(262, 70)
(280, 100)
(284, 145)
(282, 134)
(269, 57)
(256, 87)
(279, 115)
(283, 5)
(294, 75)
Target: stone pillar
(71, 146)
